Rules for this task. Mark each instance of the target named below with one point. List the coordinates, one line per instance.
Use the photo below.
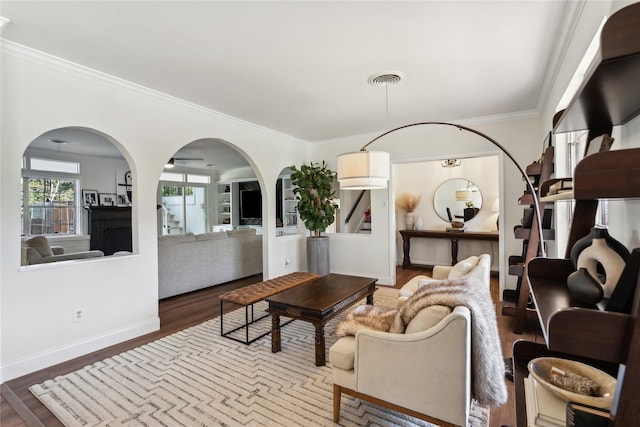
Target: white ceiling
(301, 67)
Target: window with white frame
(184, 203)
(49, 196)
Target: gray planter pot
(318, 255)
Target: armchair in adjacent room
(37, 250)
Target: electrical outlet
(78, 315)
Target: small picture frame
(122, 200)
(107, 199)
(90, 197)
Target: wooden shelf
(534, 169)
(516, 265)
(610, 94)
(524, 351)
(524, 233)
(526, 199)
(569, 325)
(608, 175)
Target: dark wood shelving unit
(516, 302)
(609, 96)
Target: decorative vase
(410, 220)
(419, 225)
(584, 287)
(603, 257)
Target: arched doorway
(209, 218)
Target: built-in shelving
(289, 204)
(225, 203)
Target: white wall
(119, 295)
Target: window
(49, 205)
(183, 209)
(49, 196)
(180, 177)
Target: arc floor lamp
(369, 170)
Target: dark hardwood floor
(20, 408)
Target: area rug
(198, 378)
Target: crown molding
(570, 18)
(59, 64)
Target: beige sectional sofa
(188, 262)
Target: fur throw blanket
(487, 365)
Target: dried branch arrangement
(407, 202)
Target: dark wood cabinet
(110, 229)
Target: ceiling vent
(385, 79)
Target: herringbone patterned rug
(197, 378)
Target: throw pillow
(370, 317)
(463, 267)
(426, 281)
(427, 317)
(40, 244)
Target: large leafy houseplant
(314, 192)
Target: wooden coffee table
(317, 302)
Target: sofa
(478, 267)
(38, 250)
(188, 262)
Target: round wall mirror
(457, 199)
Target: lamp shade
(463, 195)
(363, 170)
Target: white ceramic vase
(419, 225)
(410, 220)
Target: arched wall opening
(77, 191)
(211, 208)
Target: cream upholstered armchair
(424, 372)
(478, 267)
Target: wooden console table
(454, 236)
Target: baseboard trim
(54, 356)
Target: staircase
(172, 223)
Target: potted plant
(314, 193)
